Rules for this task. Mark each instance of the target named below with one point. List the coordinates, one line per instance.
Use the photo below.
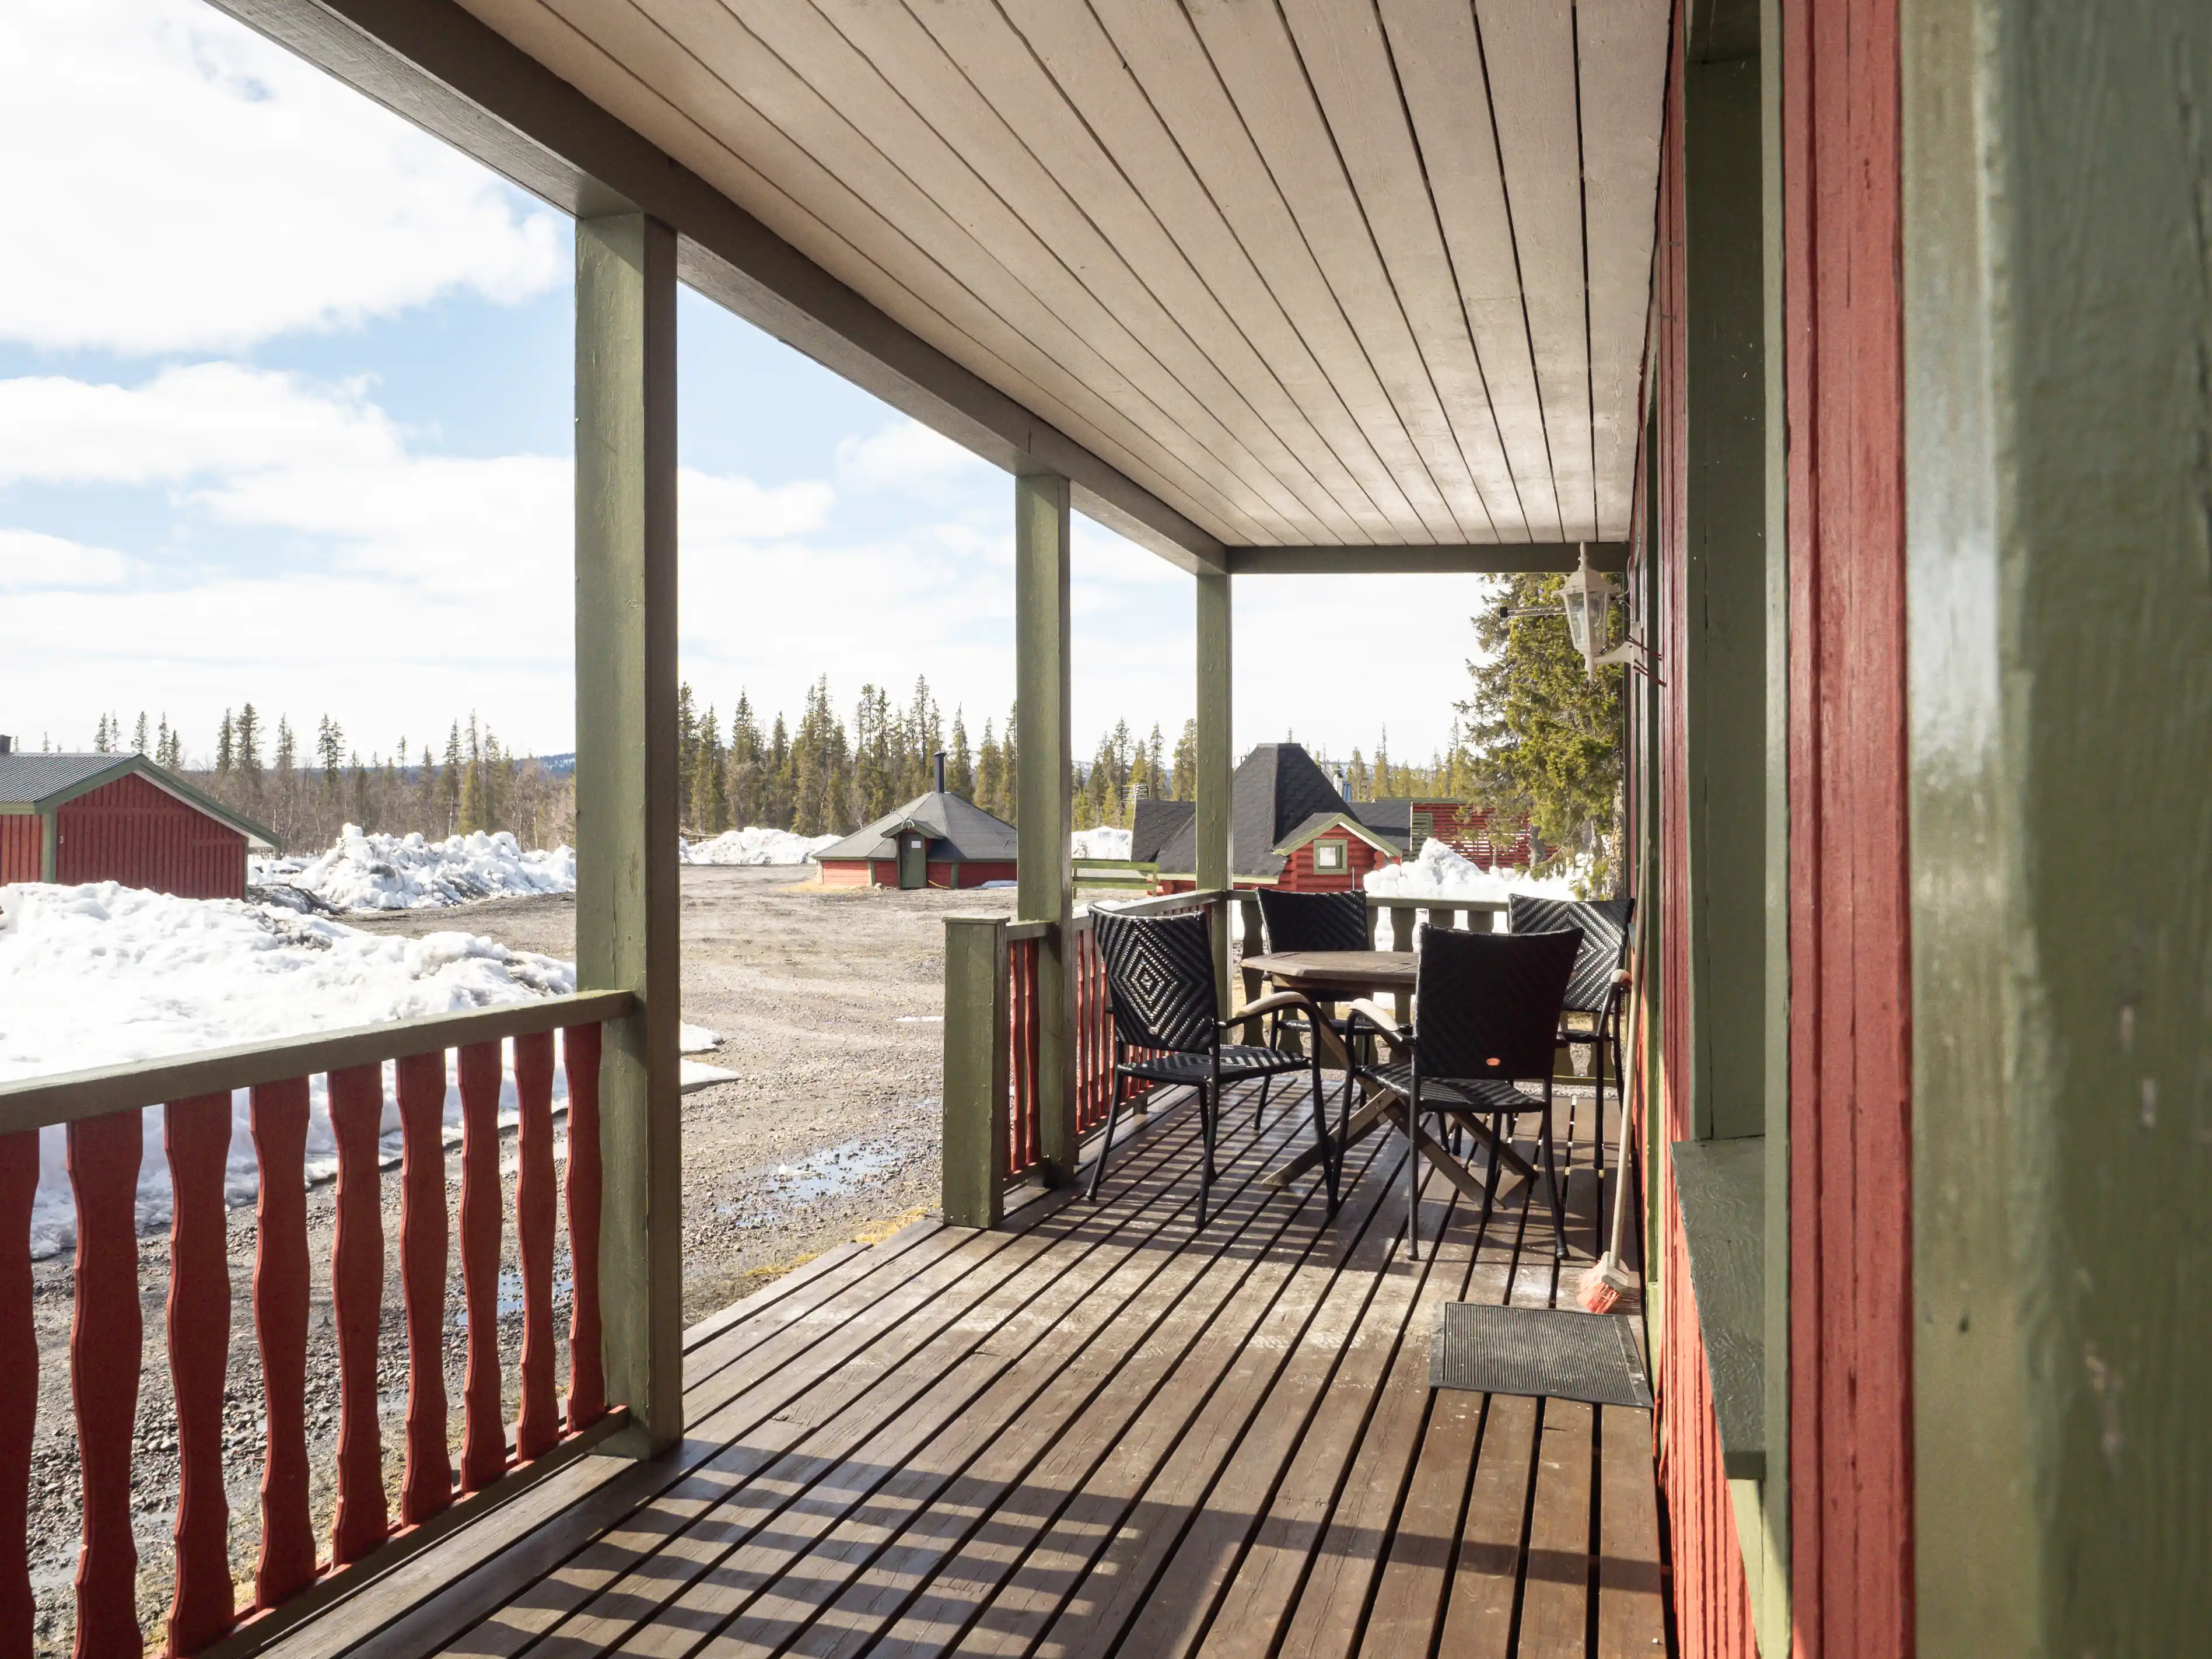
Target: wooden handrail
(1018, 931)
(36, 1102)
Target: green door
(914, 860)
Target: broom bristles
(1602, 1285)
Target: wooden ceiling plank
(1622, 45)
(1349, 66)
(1253, 53)
(1530, 52)
(660, 63)
(1181, 328)
(1210, 211)
(982, 41)
(1439, 65)
(787, 61)
(1157, 41)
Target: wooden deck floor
(1095, 1431)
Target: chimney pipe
(7, 746)
(938, 759)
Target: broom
(1605, 1281)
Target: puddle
(510, 1297)
(833, 1171)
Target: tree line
(820, 774)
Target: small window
(1331, 857)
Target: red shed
(74, 819)
(936, 840)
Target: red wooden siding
(884, 872)
(1850, 1456)
(22, 842)
(1299, 876)
(133, 832)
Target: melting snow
(408, 872)
(1099, 843)
(754, 845)
(1442, 872)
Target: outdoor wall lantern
(1587, 597)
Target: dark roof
(1277, 788)
(45, 781)
(1155, 824)
(958, 829)
(1393, 820)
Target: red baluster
(483, 1440)
(587, 1383)
(287, 1565)
(105, 1346)
(427, 1485)
(538, 1424)
(357, 1096)
(19, 1387)
(197, 1133)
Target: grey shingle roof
(25, 779)
(1277, 788)
(1393, 820)
(958, 829)
(1155, 825)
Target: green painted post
(2057, 331)
(1725, 570)
(1045, 890)
(1216, 756)
(976, 1062)
(49, 838)
(627, 894)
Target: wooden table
(1346, 977)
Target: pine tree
(245, 747)
(747, 784)
(139, 740)
(1356, 784)
(1183, 785)
(449, 784)
(329, 750)
(225, 752)
(990, 775)
(103, 741)
(960, 768)
(687, 751)
(361, 813)
(286, 752)
(779, 785)
(429, 805)
(710, 802)
(471, 817)
(1009, 756)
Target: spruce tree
(1183, 785)
(960, 765)
(779, 788)
(430, 801)
(330, 751)
(748, 804)
(225, 753)
(990, 775)
(139, 740)
(449, 785)
(245, 747)
(687, 750)
(710, 806)
(1010, 755)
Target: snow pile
(408, 872)
(104, 973)
(753, 845)
(1442, 872)
(1100, 843)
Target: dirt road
(829, 1005)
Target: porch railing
(102, 1112)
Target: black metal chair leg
(1205, 1110)
(1551, 1182)
(1330, 1156)
(1598, 1128)
(1499, 1129)
(1106, 1141)
(1413, 1173)
(1259, 1112)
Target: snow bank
(753, 845)
(1442, 872)
(104, 973)
(408, 872)
(1100, 843)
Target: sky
(285, 417)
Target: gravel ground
(828, 1004)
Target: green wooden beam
(976, 1062)
(1725, 574)
(1502, 559)
(1217, 755)
(2057, 331)
(1046, 887)
(50, 843)
(627, 897)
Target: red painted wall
(862, 872)
(1850, 1272)
(143, 836)
(22, 843)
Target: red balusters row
(104, 1158)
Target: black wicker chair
(1487, 1013)
(1311, 921)
(1599, 985)
(1160, 987)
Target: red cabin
(936, 840)
(1288, 826)
(76, 819)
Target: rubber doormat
(1559, 1353)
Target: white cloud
(195, 186)
(908, 456)
(713, 511)
(28, 560)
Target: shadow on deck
(1092, 1431)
